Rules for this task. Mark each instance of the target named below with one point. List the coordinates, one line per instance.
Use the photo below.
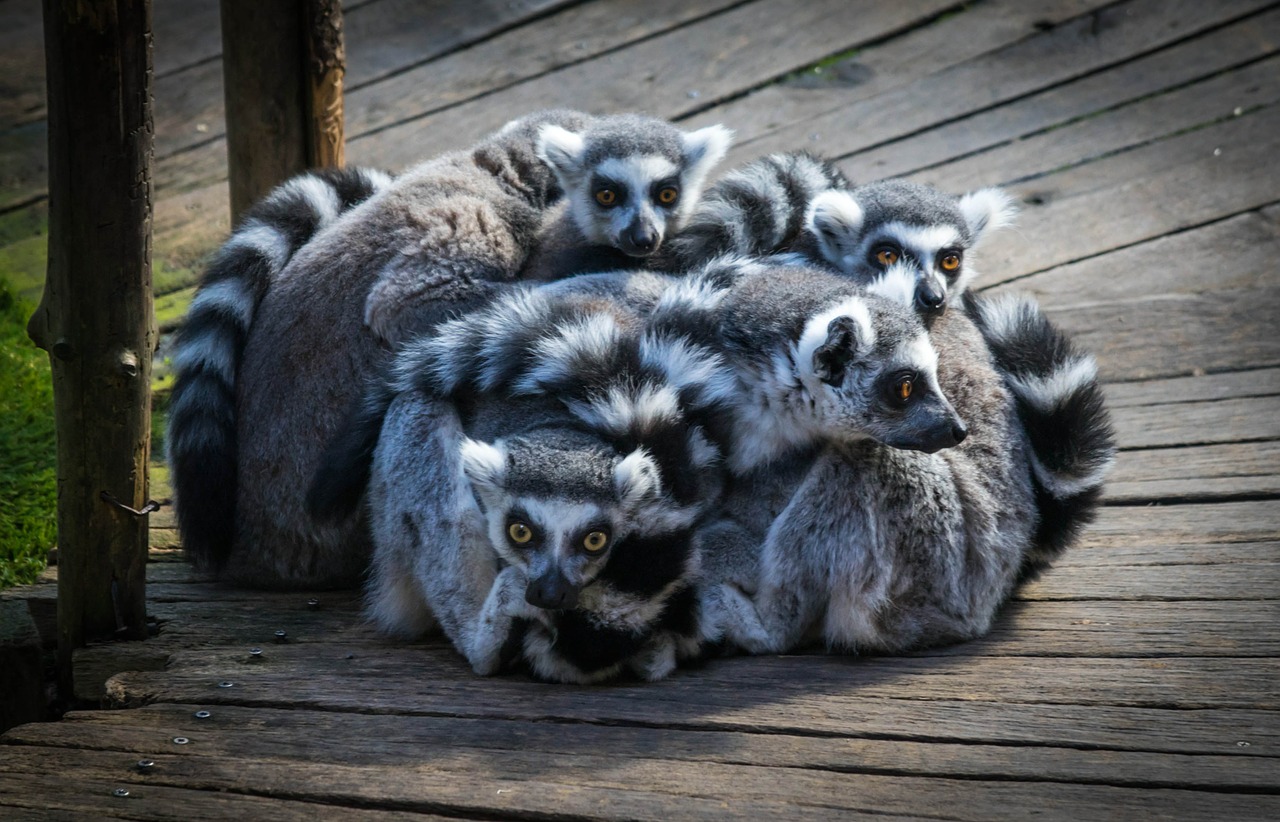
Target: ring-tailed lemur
(877, 547)
(630, 183)
(912, 243)
(445, 236)
(589, 491)
(201, 440)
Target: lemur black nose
(929, 297)
(551, 591)
(642, 240)
(959, 431)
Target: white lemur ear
(485, 466)
(834, 338)
(706, 147)
(835, 219)
(561, 149)
(636, 479)
(986, 210)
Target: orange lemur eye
(668, 195)
(887, 256)
(903, 389)
(606, 197)
(595, 541)
(519, 533)
(950, 262)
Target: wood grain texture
(502, 745)
(581, 786)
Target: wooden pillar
(95, 318)
(282, 64)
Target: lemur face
(556, 505)
(909, 241)
(629, 180)
(873, 372)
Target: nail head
(120, 792)
(180, 740)
(202, 714)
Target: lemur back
(456, 229)
(202, 425)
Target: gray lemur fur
(446, 236)
(651, 175)
(202, 425)
(573, 413)
(876, 547)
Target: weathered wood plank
(1199, 472)
(389, 671)
(1261, 382)
(601, 787)
(1183, 524)
(1156, 553)
(1139, 195)
(46, 794)
(1129, 629)
(895, 61)
(457, 52)
(444, 687)
(396, 741)
(1185, 263)
(1198, 423)
(1071, 50)
(1242, 581)
(1067, 124)
(717, 58)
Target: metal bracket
(151, 505)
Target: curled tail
(1060, 404)
(202, 410)
(640, 382)
(754, 211)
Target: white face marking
(897, 284)
(559, 523)
(634, 178)
(919, 355)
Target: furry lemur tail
(651, 382)
(755, 210)
(202, 411)
(1060, 403)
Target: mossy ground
(28, 479)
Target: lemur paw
(656, 660)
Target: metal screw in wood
(120, 792)
(202, 714)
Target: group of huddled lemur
(554, 399)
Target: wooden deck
(1136, 679)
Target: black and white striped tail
(651, 384)
(202, 411)
(755, 210)
(1061, 406)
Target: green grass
(28, 480)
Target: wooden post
(95, 318)
(282, 65)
